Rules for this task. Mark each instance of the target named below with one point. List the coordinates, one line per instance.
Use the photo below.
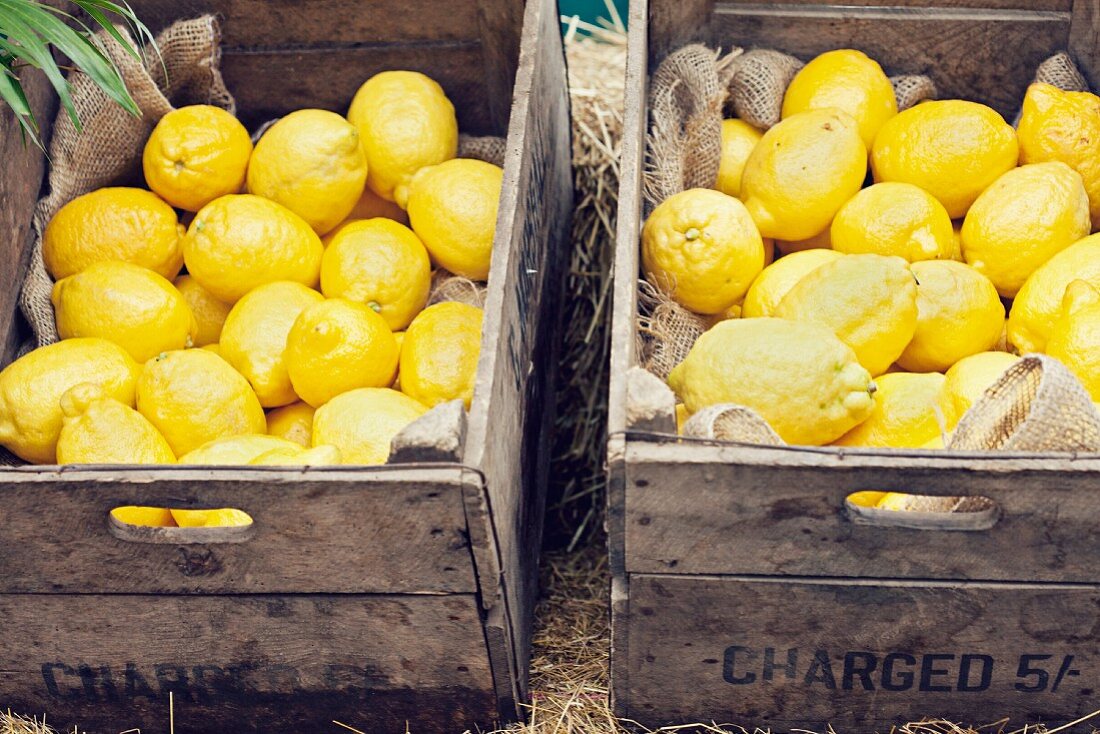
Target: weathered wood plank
(694, 508)
(973, 7)
(263, 663)
(859, 655)
(501, 27)
(275, 23)
(510, 396)
(315, 531)
(1084, 39)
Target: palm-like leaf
(30, 32)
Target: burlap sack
(727, 422)
(108, 149)
(449, 287)
(488, 148)
(666, 330)
(758, 83)
(911, 89)
(1036, 405)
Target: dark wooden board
(394, 530)
(696, 508)
(721, 649)
(512, 396)
(263, 663)
(970, 7)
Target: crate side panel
(694, 508)
(859, 656)
(247, 663)
(510, 396)
(311, 533)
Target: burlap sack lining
(1037, 405)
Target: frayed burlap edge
(488, 148)
(666, 331)
(449, 287)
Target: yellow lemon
(316, 456)
(31, 388)
(293, 422)
(196, 154)
(1075, 339)
(738, 140)
(237, 243)
(208, 311)
(866, 498)
(799, 377)
(1039, 302)
(968, 379)
(681, 418)
(777, 279)
(905, 414)
(703, 248)
(953, 149)
(100, 430)
(820, 241)
(868, 301)
(254, 337)
(236, 450)
(801, 172)
(439, 354)
(846, 80)
(214, 348)
(1063, 126)
(150, 517)
(361, 423)
(1023, 219)
(371, 205)
(380, 263)
(958, 314)
(116, 223)
(224, 518)
(312, 163)
(193, 396)
(405, 122)
(133, 307)
(453, 210)
(339, 345)
(893, 219)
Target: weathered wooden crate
(745, 589)
(380, 597)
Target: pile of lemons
(288, 323)
(903, 239)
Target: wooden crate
(745, 589)
(380, 597)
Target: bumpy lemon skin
(127, 304)
(453, 210)
(439, 354)
(31, 388)
(254, 338)
(868, 301)
(778, 278)
(1023, 219)
(362, 423)
(738, 140)
(114, 223)
(847, 80)
(100, 430)
(316, 456)
(703, 248)
(381, 263)
(339, 345)
(968, 379)
(799, 377)
(906, 415)
(1039, 302)
(196, 154)
(1063, 126)
(405, 123)
(293, 422)
(311, 162)
(208, 311)
(958, 314)
(801, 172)
(953, 149)
(193, 396)
(238, 243)
(893, 219)
(236, 450)
(1075, 339)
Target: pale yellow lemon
(1039, 302)
(293, 422)
(439, 354)
(768, 289)
(738, 140)
(893, 219)
(968, 380)
(98, 429)
(1075, 339)
(208, 311)
(362, 423)
(236, 450)
(906, 415)
(316, 456)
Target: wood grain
(974, 7)
(257, 663)
(511, 395)
(382, 531)
(1084, 39)
(696, 508)
(788, 654)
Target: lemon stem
(374, 306)
(692, 234)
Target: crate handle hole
(142, 524)
(921, 511)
